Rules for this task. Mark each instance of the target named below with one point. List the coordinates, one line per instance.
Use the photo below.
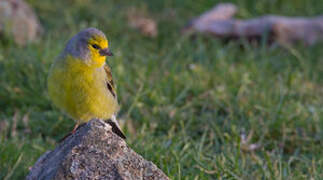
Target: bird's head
(90, 45)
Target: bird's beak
(105, 52)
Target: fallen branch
(285, 30)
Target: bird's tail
(115, 127)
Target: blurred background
(198, 107)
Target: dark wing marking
(111, 89)
(110, 83)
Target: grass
(193, 106)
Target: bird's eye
(96, 46)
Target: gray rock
(94, 152)
(18, 20)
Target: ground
(195, 106)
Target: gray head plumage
(77, 46)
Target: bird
(80, 81)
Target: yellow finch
(80, 82)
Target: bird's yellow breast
(80, 90)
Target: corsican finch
(80, 82)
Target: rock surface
(94, 152)
(18, 20)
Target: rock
(18, 20)
(146, 25)
(94, 152)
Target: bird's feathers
(110, 83)
(115, 126)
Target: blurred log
(94, 152)
(222, 11)
(285, 30)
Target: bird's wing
(110, 83)
(113, 121)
